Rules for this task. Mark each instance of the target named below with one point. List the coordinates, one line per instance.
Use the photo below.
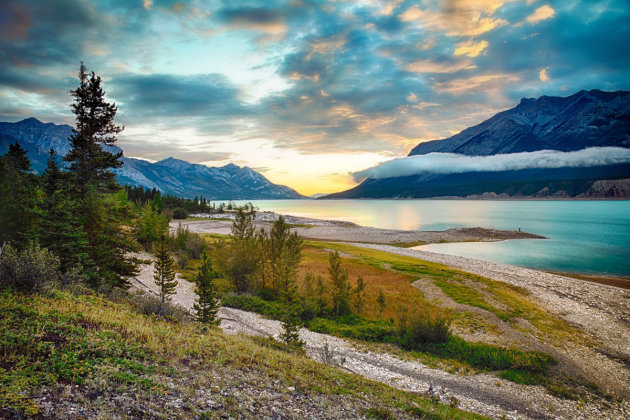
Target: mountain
(586, 119)
(583, 120)
(171, 176)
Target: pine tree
(18, 198)
(339, 285)
(103, 209)
(291, 322)
(381, 302)
(59, 229)
(208, 305)
(90, 162)
(359, 298)
(164, 275)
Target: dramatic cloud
(451, 163)
(349, 77)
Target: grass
(481, 356)
(507, 302)
(120, 362)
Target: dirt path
(482, 393)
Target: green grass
(480, 356)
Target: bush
(180, 213)
(251, 303)
(148, 304)
(425, 329)
(190, 244)
(30, 270)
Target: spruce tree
(359, 297)
(18, 197)
(207, 305)
(103, 208)
(59, 229)
(381, 302)
(292, 309)
(340, 288)
(95, 130)
(164, 275)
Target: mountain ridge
(170, 176)
(585, 119)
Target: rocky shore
(340, 231)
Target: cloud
(148, 4)
(458, 17)
(160, 95)
(430, 66)
(450, 163)
(257, 18)
(542, 13)
(470, 48)
(475, 83)
(543, 75)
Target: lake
(589, 237)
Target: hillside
(89, 357)
(170, 176)
(592, 120)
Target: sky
(305, 92)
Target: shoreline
(345, 231)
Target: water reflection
(584, 236)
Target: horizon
(305, 95)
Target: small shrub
(30, 270)
(425, 329)
(147, 304)
(180, 213)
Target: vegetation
(111, 361)
(207, 304)
(164, 275)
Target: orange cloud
(428, 66)
(543, 75)
(484, 81)
(542, 13)
(458, 17)
(470, 48)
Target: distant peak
(31, 120)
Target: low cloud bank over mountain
(451, 163)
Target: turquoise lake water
(591, 237)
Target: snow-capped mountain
(171, 176)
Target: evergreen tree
(105, 214)
(90, 162)
(208, 305)
(59, 229)
(282, 244)
(339, 285)
(381, 302)
(18, 197)
(238, 258)
(292, 309)
(164, 275)
(359, 298)
(151, 224)
(106, 221)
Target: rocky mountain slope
(171, 176)
(586, 119)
